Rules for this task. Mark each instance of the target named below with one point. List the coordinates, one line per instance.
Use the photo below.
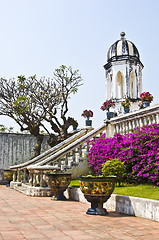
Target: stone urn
(58, 183)
(8, 175)
(97, 190)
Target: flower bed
(138, 150)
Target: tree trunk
(37, 148)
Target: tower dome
(123, 72)
(122, 49)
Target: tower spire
(122, 34)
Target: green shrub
(114, 167)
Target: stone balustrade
(73, 156)
(33, 175)
(37, 174)
(74, 152)
(124, 123)
(64, 159)
(20, 171)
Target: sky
(37, 36)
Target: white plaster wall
(139, 207)
(80, 169)
(17, 148)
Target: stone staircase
(51, 150)
(71, 155)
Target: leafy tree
(32, 103)
(4, 129)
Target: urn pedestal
(58, 183)
(97, 190)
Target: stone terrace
(25, 217)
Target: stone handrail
(77, 150)
(71, 147)
(124, 123)
(55, 159)
(50, 151)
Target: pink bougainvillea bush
(138, 150)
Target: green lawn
(74, 183)
(141, 190)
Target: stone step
(33, 191)
(21, 189)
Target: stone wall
(139, 207)
(17, 148)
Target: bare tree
(32, 103)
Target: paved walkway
(24, 217)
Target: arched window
(140, 84)
(108, 92)
(132, 85)
(119, 87)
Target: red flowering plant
(87, 114)
(146, 96)
(106, 105)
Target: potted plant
(97, 190)
(87, 114)
(58, 183)
(106, 106)
(146, 98)
(75, 125)
(126, 105)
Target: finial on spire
(122, 34)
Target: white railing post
(24, 176)
(34, 179)
(18, 175)
(14, 176)
(157, 118)
(31, 178)
(41, 179)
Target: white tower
(123, 73)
